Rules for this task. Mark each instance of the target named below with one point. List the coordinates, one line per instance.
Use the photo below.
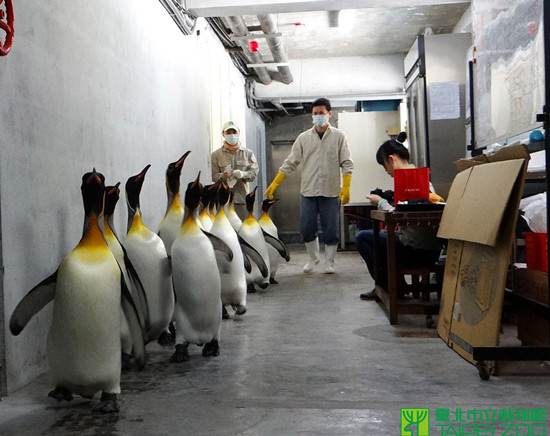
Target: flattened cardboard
(477, 200)
(475, 272)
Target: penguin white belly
(205, 222)
(198, 289)
(148, 255)
(274, 255)
(170, 227)
(251, 232)
(232, 273)
(274, 259)
(84, 338)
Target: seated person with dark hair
(416, 245)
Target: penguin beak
(197, 180)
(141, 175)
(93, 175)
(180, 162)
(113, 189)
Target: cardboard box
(479, 221)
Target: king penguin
(232, 273)
(170, 225)
(251, 232)
(148, 255)
(207, 194)
(196, 283)
(83, 345)
(234, 219)
(276, 248)
(129, 273)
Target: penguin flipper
(254, 256)
(142, 304)
(134, 325)
(32, 303)
(279, 245)
(220, 245)
(247, 264)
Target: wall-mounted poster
(509, 68)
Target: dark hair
(391, 147)
(402, 137)
(322, 102)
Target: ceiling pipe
(267, 22)
(238, 27)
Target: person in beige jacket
(236, 165)
(324, 156)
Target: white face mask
(232, 139)
(319, 120)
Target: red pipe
(6, 26)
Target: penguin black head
(207, 192)
(93, 192)
(173, 173)
(250, 198)
(213, 198)
(267, 203)
(112, 194)
(223, 194)
(133, 188)
(193, 194)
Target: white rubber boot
(330, 254)
(313, 252)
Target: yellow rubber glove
(434, 198)
(274, 184)
(344, 191)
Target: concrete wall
(108, 84)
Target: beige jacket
(244, 160)
(320, 160)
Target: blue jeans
(328, 210)
(405, 255)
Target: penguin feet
(272, 281)
(61, 394)
(180, 355)
(239, 309)
(168, 337)
(108, 404)
(212, 348)
(225, 313)
(126, 362)
(263, 285)
(250, 289)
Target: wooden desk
(389, 296)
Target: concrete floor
(308, 358)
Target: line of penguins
(172, 286)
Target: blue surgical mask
(232, 139)
(319, 120)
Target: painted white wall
(108, 84)
(365, 132)
(347, 78)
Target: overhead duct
(238, 27)
(267, 22)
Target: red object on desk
(535, 251)
(411, 184)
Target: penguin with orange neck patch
(171, 223)
(251, 232)
(129, 273)
(197, 284)
(276, 248)
(150, 259)
(83, 346)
